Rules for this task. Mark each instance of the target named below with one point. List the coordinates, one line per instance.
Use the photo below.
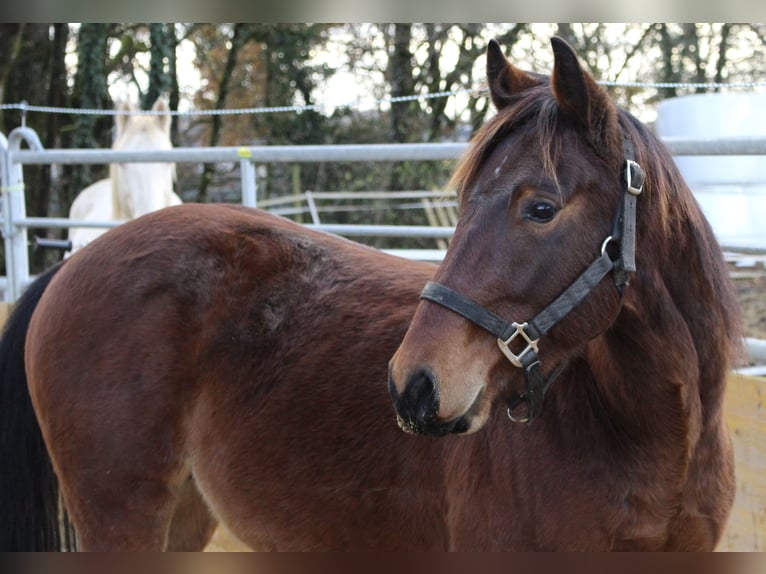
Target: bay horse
(133, 188)
(585, 291)
(214, 363)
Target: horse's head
(142, 187)
(539, 191)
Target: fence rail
(15, 223)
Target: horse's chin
(435, 428)
(470, 422)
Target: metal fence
(16, 223)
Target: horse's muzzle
(417, 407)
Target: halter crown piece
(623, 233)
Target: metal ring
(515, 402)
(605, 243)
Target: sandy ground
(752, 297)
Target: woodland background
(262, 65)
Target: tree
(45, 196)
(258, 65)
(10, 44)
(29, 79)
(402, 81)
(162, 44)
(32, 70)
(239, 37)
(401, 78)
(700, 53)
(90, 92)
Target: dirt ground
(752, 298)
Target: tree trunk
(162, 46)
(175, 91)
(238, 40)
(30, 81)
(49, 188)
(691, 50)
(400, 77)
(667, 73)
(10, 43)
(723, 47)
(90, 92)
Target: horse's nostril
(419, 402)
(422, 393)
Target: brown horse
(215, 363)
(563, 200)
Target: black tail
(31, 515)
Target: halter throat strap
(529, 333)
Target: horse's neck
(667, 354)
(153, 191)
(637, 386)
(645, 370)
(140, 189)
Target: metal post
(5, 210)
(312, 208)
(14, 209)
(249, 185)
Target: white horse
(133, 189)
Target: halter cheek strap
(623, 234)
(624, 228)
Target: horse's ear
(569, 82)
(578, 95)
(121, 120)
(161, 105)
(504, 79)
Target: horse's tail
(31, 514)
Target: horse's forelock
(533, 109)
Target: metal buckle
(531, 344)
(629, 177)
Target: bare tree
(238, 39)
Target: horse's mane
(674, 232)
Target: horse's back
(237, 347)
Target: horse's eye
(541, 211)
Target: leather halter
(623, 234)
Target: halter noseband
(623, 233)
